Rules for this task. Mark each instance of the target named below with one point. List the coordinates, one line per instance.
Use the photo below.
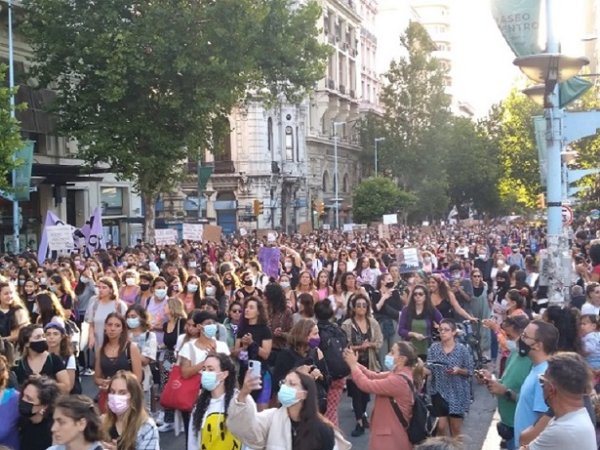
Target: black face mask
(524, 348)
(38, 346)
(248, 283)
(389, 285)
(227, 282)
(144, 287)
(26, 408)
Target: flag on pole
(51, 220)
(92, 232)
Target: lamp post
(377, 140)
(11, 85)
(336, 200)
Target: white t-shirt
(588, 308)
(196, 355)
(564, 432)
(216, 407)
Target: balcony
(222, 167)
(342, 89)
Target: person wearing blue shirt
(539, 340)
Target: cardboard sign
(408, 259)
(193, 231)
(212, 233)
(390, 219)
(60, 237)
(384, 231)
(165, 236)
(305, 228)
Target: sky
(484, 72)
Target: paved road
(475, 429)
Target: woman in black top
(37, 360)
(36, 408)
(387, 304)
(60, 286)
(116, 354)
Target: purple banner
(269, 258)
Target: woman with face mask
(140, 334)
(207, 428)
(248, 289)
(215, 289)
(297, 424)
(127, 422)
(9, 408)
(193, 354)
(401, 373)
(37, 360)
(191, 294)
(145, 285)
(130, 288)
(303, 351)
(36, 406)
(156, 307)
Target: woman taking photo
(451, 367)
(364, 337)
(76, 424)
(59, 344)
(296, 425)
(397, 382)
(304, 350)
(37, 360)
(253, 343)
(140, 334)
(387, 304)
(100, 306)
(116, 354)
(207, 429)
(9, 408)
(126, 422)
(13, 315)
(419, 320)
(38, 395)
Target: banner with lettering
(519, 23)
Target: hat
(56, 326)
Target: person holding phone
(296, 425)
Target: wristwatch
(508, 394)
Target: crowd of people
(268, 355)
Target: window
(345, 183)
(270, 135)
(112, 200)
(325, 181)
(289, 144)
(298, 146)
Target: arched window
(289, 144)
(325, 181)
(345, 183)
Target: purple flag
(51, 219)
(92, 232)
(269, 258)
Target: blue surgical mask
(388, 362)
(285, 284)
(287, 395)
(191, 288)
(210, 331)
(133, 322)
(209, 380)
(52, 289)
(160, 293)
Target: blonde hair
(176, 307)
(134, 417)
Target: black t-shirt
(259, 334)
(35, 436)
(326, 438)
(51, 367)
(170, 339)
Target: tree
(417, 113)
(10, 136)
(472, 166)
(377, 196)
(144, 85)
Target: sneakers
(365, 421)
(358, 431)
(87, 372)
(166, 427)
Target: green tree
(377, 196)
(472, 166)
(417, 113)
(145, 85)
(10, 136)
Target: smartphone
(254, 368)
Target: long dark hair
(310, 417)
(428, 307)
(124, 338)
(204, 399)
(262, 314)
(275, 297)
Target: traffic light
(540, 201)
(258, 207)
(321, 208)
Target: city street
(475, 427)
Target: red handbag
(180, 393)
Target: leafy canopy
(377, 196)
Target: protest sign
(408, 259)
(192, 231)
(390, 219)
(269, 258)
(212, 233)
(60, 237)
(165, 236)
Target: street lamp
(377, 140)
(11, 85)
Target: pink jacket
(386, 429)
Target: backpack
(423, 423)
(333, 343)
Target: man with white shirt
(564, 384)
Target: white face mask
(504, 303)
(130, 281)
